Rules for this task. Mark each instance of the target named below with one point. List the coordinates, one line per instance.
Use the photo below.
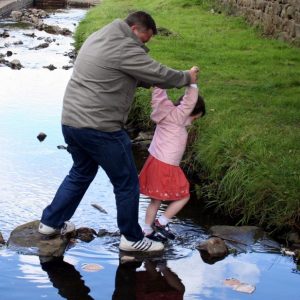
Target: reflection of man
(111, 63)
(66, 279)
(156, 282)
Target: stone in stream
(213, 250)
(244, 238)
(85, 234)
(16, 64)
(28, 240)
(50, 67)
(41, 136)
(2, 241)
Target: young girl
(161, 177)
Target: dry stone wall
(50, 3)
(280, 18)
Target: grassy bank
(249, 142)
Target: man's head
(142, 25)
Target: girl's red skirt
(162, 181)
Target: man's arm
(136, 63)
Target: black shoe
(164, 230)
(156, 236)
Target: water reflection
(155, 281)
(66, 279)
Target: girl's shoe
(156, 236)
(164, 230)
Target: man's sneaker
(164, 230)
(50, 231)
(144, 245)
(156, 236)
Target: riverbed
(31, 171)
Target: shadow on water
(66, 279)
(30, 102)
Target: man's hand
(194, 71)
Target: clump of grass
(248, 144)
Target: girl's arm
(158, 95)
(186, 106)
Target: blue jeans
(90, 149)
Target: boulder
(26, 239)
(244, 238)
(214, 246)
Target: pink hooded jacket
(170, 136)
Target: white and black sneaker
(51, 231)
(144, 245)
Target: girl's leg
(152, 211)
(161, 224)
(174, 207)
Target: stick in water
(101, 209)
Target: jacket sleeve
(135, 62)
(181, 112)
(158, 95)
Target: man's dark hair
(199, 107)
(143, 19)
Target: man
(110, 65)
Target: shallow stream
(31, 171)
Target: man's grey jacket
(111, 63)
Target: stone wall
(8, 6)
(50, 3)
(280, 18)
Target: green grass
(249, 142)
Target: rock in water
(28, 240)
(41, 136)
(212, 250)
(2, 242)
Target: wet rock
(85, 234)
(99, 207)
(26, 239)
(50, 67)
(16, 64)
(62, 147)
(2, 241)
(54, 29)
(41, 136)
(40, 46)
(4, 34)
(72, 54)
(67, 67)
(32, 35)
(213, 249)
(104, 232)
(244, 238)
(49, 40)
(18, 43)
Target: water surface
(31, 171)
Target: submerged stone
(245, 238)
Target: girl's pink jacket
(170, 136)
